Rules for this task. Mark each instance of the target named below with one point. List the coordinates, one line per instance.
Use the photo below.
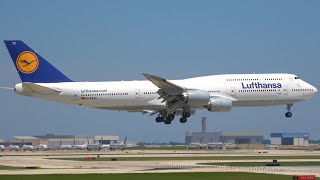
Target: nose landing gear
(289, 114)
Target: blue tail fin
(31, 66)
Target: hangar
(225, 137)
(296, 139)
(57, 140)
(23, 140)
(52, 140)
(205, 137)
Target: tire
(159, 119)
(183, 120)
(288, 114)
(170, 117)
(167, 122)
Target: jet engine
(219, 105)
(196, 97)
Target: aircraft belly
(113, 102)
(126, 104)
(55, 98)
(133, 108)
(253, 103)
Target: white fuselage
(244, 90)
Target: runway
(50, 165)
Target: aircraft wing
(165, 85)
(145, 111)
(173, 94)
(170, 93)
(152, 112)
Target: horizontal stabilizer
(35, 88)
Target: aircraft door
(233, 91)
(285, 90)
(76, 95)
(137, 93)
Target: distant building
(24, 140)
(225, 137)
(206, 137)
(296, 139)
(105, 139)
(49, 136)
(52, 140)
(242, 137)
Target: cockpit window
(296, 77)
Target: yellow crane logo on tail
(27, 62)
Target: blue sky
(118, 40)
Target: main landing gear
(163, 117)
(167, 119)
(184, 117)
(289, 114)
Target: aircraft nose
(315, 90)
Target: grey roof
(25, 137)
(53, 136)
(111, 138)
(241, 133)
(223, 133)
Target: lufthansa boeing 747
(157, 95)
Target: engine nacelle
(196, 97)
(219, 105)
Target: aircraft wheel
(288, 114)
(186, 114)
(170, 117)
(159, 119)
(183, 120)
(167, 122)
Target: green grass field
(190, 158)
(304, 163)
(153, 176)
